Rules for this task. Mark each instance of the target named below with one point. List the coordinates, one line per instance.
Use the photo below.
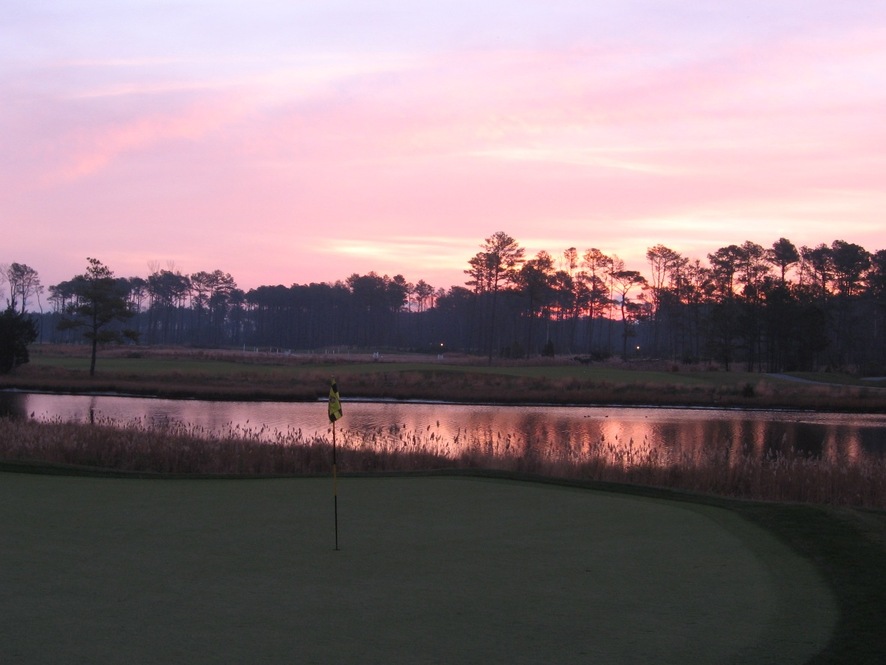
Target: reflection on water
(625, 435)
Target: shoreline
(440, 402)
(650, 398)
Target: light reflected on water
(622, 436)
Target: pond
(621, 433)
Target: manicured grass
(295, 367)
(834, 378)
(430, 569)
(848, 547)
(152, 367)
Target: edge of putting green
(806, 610)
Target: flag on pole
(334, 402)
(334, 414)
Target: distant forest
(777, 308)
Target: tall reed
(176, 448)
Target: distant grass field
(246, 375)
(305, 367)
(130, 367)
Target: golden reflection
(617, 437)
(508, 437)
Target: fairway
(430, 570)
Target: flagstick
(334, 486)
(334, 414)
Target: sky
(303, 141)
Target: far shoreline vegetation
(767, 310)
(272, 375)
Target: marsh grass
(240, 375)
(175, 448)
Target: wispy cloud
(95, 148)
(576, 157)
(396, 137)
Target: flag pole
(335, 413)
(334, 486)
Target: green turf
(155, 367)
(430, 570)
(150, 367)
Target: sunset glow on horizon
(297, 142)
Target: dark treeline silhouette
(777, 308)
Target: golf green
(430, 570)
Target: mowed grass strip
(302, 366)
(430, 569)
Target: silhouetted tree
(491, 268)
(168, 292)
(782, 255)
(17, 331)
(849, 262)
(594, 294)
(693, 293)
(423, 294)
(876, 278)
(101, 301)
(876, 296)
(454, 317)
(372, 307)
(534, 281)
(24, 282)
(752, 271)
(817, 268)
(625, 281)
(665, 265)
(725, 313)
(221, 291)
(776, 308)
(563, 305)
(569, 294)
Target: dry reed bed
(181, 449)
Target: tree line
(776, 308)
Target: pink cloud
(612, 144)
(95, 147)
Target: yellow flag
(334, 402)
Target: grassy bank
(239, 375)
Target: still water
(573, 433)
